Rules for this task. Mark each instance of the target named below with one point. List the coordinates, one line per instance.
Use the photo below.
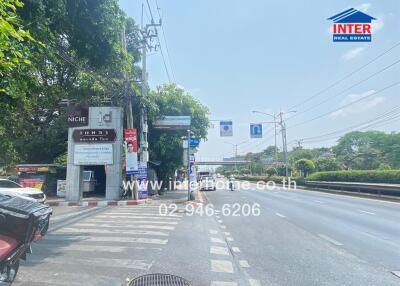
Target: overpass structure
(223, 162)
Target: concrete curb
(96, 203)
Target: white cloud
(364, 7)
(359, 107)
(377, 25)
(351, 54)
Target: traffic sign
(256, 130)
(226, 128)
(194, 142)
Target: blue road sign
(256, 130)
(194, 142)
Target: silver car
(10, 188)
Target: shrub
(373, 176)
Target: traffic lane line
(280, 215)
(331, 240)
(367, 212)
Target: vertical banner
(131, 151)
(226, 128)
(192, 174)
(142, 180)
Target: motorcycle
(21, 223)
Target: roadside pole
(188, 160)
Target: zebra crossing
(105, 249)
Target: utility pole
(128, 93)
(148, 32)
(284, 142)
(276, 147)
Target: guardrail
(380, 190)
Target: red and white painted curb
(95, 203)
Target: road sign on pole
(256, 130)
(226, 128)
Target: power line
(165, 42)
(343, 91)
(382, 116)
(345, 77)
(346, 105)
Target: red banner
(131, 139)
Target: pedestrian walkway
(105, 249)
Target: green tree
(305, 166)
(165, 147)
(327, 164)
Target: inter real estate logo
(351, 26)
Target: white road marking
(227, 233)
(67, 230)
(221, 266)
(213, 231)
(229, 238)
(396, 273)
(142, 214)
(222, 283)
(254, 282)
(96, 262)
(318, 201)
(223, 226)
(51, 277)
(136, 226)
(366, 212)
(331, 240)
(100, 248)
(280, 215)
(132, 217)
(244, 263)
(217, 240)
(219, 250)
(107, 239)
(220, 221)
(125, 223)
(235, 249)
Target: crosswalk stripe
(221, 266)
(95, 248)
(66, 278)
(131, 223)
(108, 231)
(132, 226)
(97, 261)
(219, 250)
(107, 239)
(134, 216)
(142, 214)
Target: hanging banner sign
(173, 122)
(226, 128)
(131, 151)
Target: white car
(207, 183)
(12, 189)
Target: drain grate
(158, 279)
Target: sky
(272, 56)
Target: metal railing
(390, 190)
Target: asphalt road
(298, 238)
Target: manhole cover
(159, 280)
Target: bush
(361, 176)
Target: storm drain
(159, 280)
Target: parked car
(12, 189)
(207, 183)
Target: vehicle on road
(207, 183)
(13, 189)
(231, 182)
(22, 221)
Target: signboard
(77, 116)
(194, 142)
(226, 128)
(93, 154)
(131, 150)
(256, 130)
(173, 122)
(36, 182)
(94, 135)
(61, 188)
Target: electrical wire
(343, 91)
(345, 77)
(346, 105)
